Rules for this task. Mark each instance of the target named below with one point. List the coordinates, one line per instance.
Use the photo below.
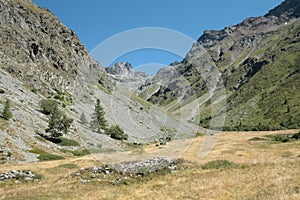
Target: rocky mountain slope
(47, 55)
(258, 61)
(43, 59)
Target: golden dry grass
(263, 170)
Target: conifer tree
(6, 114)
(98, 122)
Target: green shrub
(296, 136)
(281, 138)
(2, 91)
(67, 142)
(256, 139)
(117, 133)
(34, 90)
(46, 157)
(218, 164)
(80, 152)
(48, 106)
(285, 137)
(58, 124)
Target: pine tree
(98, 120)
(6, 114)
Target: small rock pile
(19, 176)
(132, 169)
(141, 168)
(95, 170)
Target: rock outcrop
(41, 57)
(19, 176)
(124, 73)
(121, 69)
(133, 169)
(42, 52)
(289, 9)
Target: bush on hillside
(116, 132)
(48, 106)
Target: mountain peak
(120, 68)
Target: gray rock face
(39, 50)
(290, 8)
(124, 73)
(121, 69)
(40, 57)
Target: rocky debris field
(117, 173)
(19, 176)
(141, 168)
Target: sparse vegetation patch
(218, 164)
(44, 156)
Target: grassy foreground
(242, 165)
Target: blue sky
(96, 20)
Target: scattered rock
(19, 176)
(131, 169)
(141, 168)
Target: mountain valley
(225, 119)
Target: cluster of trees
(59, 123)
(99, 124)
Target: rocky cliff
(42, 52)
(124, 73)
(121, 69)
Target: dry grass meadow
(261, 170)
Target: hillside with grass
(264, 88)
(243, 165)
(256, 62)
